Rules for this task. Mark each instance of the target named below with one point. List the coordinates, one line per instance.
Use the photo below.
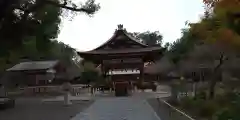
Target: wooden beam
(142, 72)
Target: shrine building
(123, 52)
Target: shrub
(222, 100)
(228, 113)
(201, 95)
(231, 110)
(187, 102)
(208, 109)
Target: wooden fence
(76, 89)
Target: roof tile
(33, 65)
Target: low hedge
(200, 107)
(147, 86)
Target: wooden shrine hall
(122, 52)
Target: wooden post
(36, 79)
(141, 76)
(142, 73)
(103, 70)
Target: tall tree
(181, 47)
(21, 18)
(220, 27)
(27, 27)
(25, 22)
(149, 38)
(61, 51)
(28, 6)
(89, 74)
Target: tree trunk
(213, 82)
(212, 89)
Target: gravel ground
(34, 109)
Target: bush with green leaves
(199, 107)
(88, 77)
(187, 102)
(201, 95)
(231, 111)
(208, 109)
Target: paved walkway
(109, 107)
(119, 108)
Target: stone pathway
(118, 108)
(109, 107)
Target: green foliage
(90, 74)
(18, 26)
(228, 114)
(149, 38)
(29, 28)
(28, 34)
(231, 111)
(199, 107)
(180, 48)
(88, 66)
(62, 52)
(167, 45)
(187, 102)
(201, 95)
(220, 28)
(208, 109)
(88, 77)
(223, 107)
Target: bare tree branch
(213, 82)
(90, 7)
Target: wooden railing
(169, 112)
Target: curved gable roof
(120, 32)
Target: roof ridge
(114, 35)
(123, 31)
(39, 61)
(127, 50)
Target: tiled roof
(119, 51)
(33, 65)
(121, 32)
(127, 44)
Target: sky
(166, 16)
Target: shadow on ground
(34, 109)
